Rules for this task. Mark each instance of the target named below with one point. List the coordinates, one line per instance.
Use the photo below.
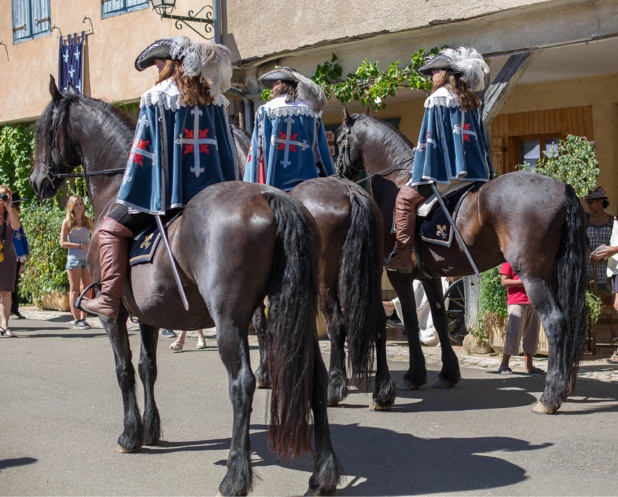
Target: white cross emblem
(466, 133)
(196, 138)
(286, 142)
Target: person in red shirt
(523, 321)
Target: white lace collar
(278, 107)
(443, 97)
(166, 93)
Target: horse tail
(291, 331)
(360, 286)
(571, 291)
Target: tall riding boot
(114, 241)
(400, 258)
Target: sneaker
(168, 334)
(81, 325)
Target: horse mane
(393, 139)
(116, 125)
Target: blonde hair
(87, 221)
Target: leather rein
(344, 163)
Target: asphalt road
(61, 413)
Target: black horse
(235, 244)
(350, 273)
(532, 221)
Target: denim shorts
(75, 263)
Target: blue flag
(71, 62)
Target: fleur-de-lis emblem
(441, 231)
(147, 241)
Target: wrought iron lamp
(165, 7)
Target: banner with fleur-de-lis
(71, 62)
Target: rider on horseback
(182, 144)
(289, 143)
(451, 145)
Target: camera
(4, 197)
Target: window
(31, 19)
(110, 8)
(530, 149)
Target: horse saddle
(144, 245)
(433, 225)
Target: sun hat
(464, 61)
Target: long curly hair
(466, 97)
(286, 88)
(87, 221)
(192, 90)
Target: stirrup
(392, 255)
(78, 302)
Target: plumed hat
(466, 62)
(210, 61)
(596, 194)
(305, 88)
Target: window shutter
(41, 20)
(110, 6)
(135, 3)
(21, 20)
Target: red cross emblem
(284, 137)
(189, 147)
(466, 136)
(138, 158)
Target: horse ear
(71, 89)
(345, 114)
(53, 89)
(368, 111)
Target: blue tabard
(290, 138)
(451, 144)
(177, 151)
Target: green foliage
(492, 295)
(369, 84)
(593, 305)
(16, 145)
(45, 270)
(574, 163)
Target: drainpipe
(217, 20)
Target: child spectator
(523, 320)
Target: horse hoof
(541, 408)
(123, 450)
(442, 383)
(407, 385)
(375, 406)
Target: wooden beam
(507, 79)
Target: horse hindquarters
(296, 369)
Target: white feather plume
(470, 64)
(210, 61)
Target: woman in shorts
(75, 235)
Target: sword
(457, 233)
(185, 302)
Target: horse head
(349, 163)
(54, 152)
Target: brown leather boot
(114, 259)
(400, 258)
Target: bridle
(344, 162)
(56, 159)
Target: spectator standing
(22, 251)
(523, 321)
(75, 236)
(8, 265)
(180, 341)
